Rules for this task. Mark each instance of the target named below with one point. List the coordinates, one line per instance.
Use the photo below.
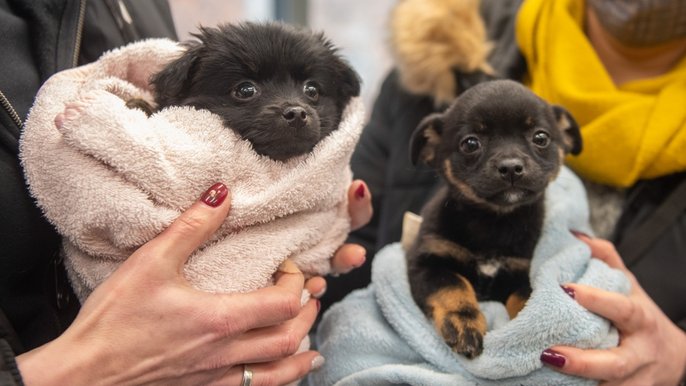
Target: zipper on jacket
(10, 110)
(123, 19)
(79, 33)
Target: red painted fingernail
(553, 358)
(580, 234)
(569, 291)
(215, 195)
(360, 191)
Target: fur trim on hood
(430, 39)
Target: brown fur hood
(432, 38)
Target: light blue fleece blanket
(378, 336)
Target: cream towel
(110, 178)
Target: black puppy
(280, 87)
(497, 147)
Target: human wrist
(682, 349)
(51, 365)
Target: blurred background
(359, 29)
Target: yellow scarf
(635, 131)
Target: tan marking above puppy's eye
(563, 123)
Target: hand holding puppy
(146, 324)
(652, 350)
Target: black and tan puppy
(280, 87)
(497, 147)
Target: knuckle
(212, 364)
(290, 305)
(579, 367)
(620, 368)
(650, 321)
(266, 379)
(288, 344)
(189, 224)
(628, 314)
(223, 326)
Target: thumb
(189, 231)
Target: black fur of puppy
(497, 147)
(280, 87)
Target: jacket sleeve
(9, 373)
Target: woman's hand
(348, 256)
(146, 325)
(652, 350)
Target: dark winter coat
(39, 38)
(382, 160)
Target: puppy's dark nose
(511, 169)
(295, 115)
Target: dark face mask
(642, 22)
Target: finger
(603, 250)
(279, 372)
(236, 313)
(359, 204)
(316, 286)
(289, 277)
(348, 257)
(606, 251)
(274, 342)
(608, 365)
(190, 230)
(626, 314)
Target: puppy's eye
(311, 90)
(470, 144)
(245, 90)
(541, 139)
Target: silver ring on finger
(247, 376)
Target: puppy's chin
(284, 143)
(283, 151)
(513, 197)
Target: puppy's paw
(140, 104)
(464, 336)
(456, 315)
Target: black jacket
(382, 160)
(41, 37)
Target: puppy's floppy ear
(426, 138)
(172, 83)
(349, 85)
(570, 130)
